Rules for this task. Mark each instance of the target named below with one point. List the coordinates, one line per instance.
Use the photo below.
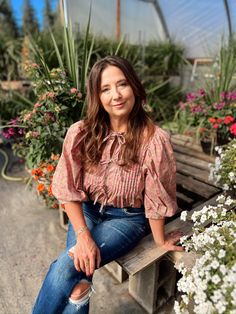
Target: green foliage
(48, 16)
(8, 26)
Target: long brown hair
(97, 121)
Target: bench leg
(116, 271)
(154, 286)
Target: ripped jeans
(115, 230)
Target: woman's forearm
(75, 214)
(158, 230)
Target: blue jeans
(115, 230)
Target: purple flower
(6, 134)
(233, 95)
(202, 92)
(219, 106)
(223, 95)
(196, 109)
(11, 131)
(21, 131)
(190, 97)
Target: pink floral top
(150, 183)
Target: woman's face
(116, 95)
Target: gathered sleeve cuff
(67, 183)
(160, 179)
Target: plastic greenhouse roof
(198, 25)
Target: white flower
(220, 198)
(215, 264)
(221, 253)
(203, 218)
(225, 187)
(229, 201)
(215, 279)
(183, 215)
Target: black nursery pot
(207, 147)
(221, 140)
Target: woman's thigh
(118, 234)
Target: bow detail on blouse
(112, 137)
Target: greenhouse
(117, 156)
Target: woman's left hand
(170, 241)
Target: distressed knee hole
(80, 290)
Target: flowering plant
(223, 171)
(211, 284)
(211, 119)
(43, 176)
(13, 133)
(58, 105)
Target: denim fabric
(115, 230)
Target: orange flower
(212, 120)
(54, 157)
(36, 178)
(50, 168)
(33, 171)
(54, 205)
(63, 206)
(40, 187)
(50, 190)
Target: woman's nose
(116, 93)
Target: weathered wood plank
(187, 142)
(187, 170)
(192, 161)
(195, 186)
(146, 252)
(184, 198)
(191, 152)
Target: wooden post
(118, 19)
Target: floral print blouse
(150, 183)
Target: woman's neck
(119, 126)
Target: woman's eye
(105, 90)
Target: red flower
(219, 120)
(233, 129)
(215, 126)
(228, 119)
(212, 120)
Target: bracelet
(81, 230)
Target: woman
(116, 170)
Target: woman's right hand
(86, 254)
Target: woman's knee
(80, 290)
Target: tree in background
(8, 26)
(30, 23)
(48, 15)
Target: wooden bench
(152, 277)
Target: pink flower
(182, 105)
(202, 92)
(233, 129)
(79, 95)
(73, 90)
(190, 97)
(37, 105)
(6, 134)
(35, 134)
(219, 106)
(223, 95)
(215, 126)
(233, 95)
(196, 109)
(35, 65)
(50, 94)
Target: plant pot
(207, 147)
(222, 139)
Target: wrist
(81, 230)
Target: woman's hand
(171, 239)
(86, 254)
